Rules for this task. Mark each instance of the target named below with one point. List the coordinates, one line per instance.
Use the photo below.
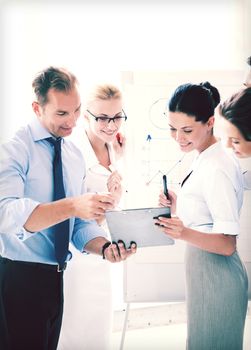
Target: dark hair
(237, 110)
(198, 101)
(52, 78)
(249, 60)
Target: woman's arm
(217, 243)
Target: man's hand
(111, 251)
(116, 252)
(92, 205)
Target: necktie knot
(55, 142)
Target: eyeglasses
(104, 121)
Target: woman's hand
(171, 202)
(173, 227)
(114, 186)
(119, 145)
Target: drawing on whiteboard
(156, 113)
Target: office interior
(147, 48)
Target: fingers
(166, 222)
(104, 202)
(104, 198)
(112, 253)
(163, 201)
(114, 186)
(125, 253)
(117, 251)
(172, 226)
(119, 146)
(120, 140)
(172, 195)
(114, 179)
(92, 205)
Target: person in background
(33, 163)
(89, 305)
(247, 80)
(236, 122)
(207, 209)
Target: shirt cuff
(226, 227)
(88, 231)
(21, 219)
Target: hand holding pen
(167, 198)
(165, 187)
(119, 145)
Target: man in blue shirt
(31, 282)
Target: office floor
(171, 337)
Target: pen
(165, 187)
(118, 137)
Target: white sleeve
(223, 201)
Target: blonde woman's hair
(104, 92)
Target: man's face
(60, 113)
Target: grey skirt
(217, 298)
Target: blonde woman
(88, 301)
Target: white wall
(99, 39)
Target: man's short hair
(59, 79)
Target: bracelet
(106, 245)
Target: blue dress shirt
(26, 180)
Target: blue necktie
(61, 230)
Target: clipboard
(138, 225)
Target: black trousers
(31, 305)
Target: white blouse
(96, 174)
(247, 180)
(211, 198)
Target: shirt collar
(38, 131)
(89, 154)
(207, 153)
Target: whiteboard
(155, 274)
(157, 281)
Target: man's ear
(210, 122)
(36, 108)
